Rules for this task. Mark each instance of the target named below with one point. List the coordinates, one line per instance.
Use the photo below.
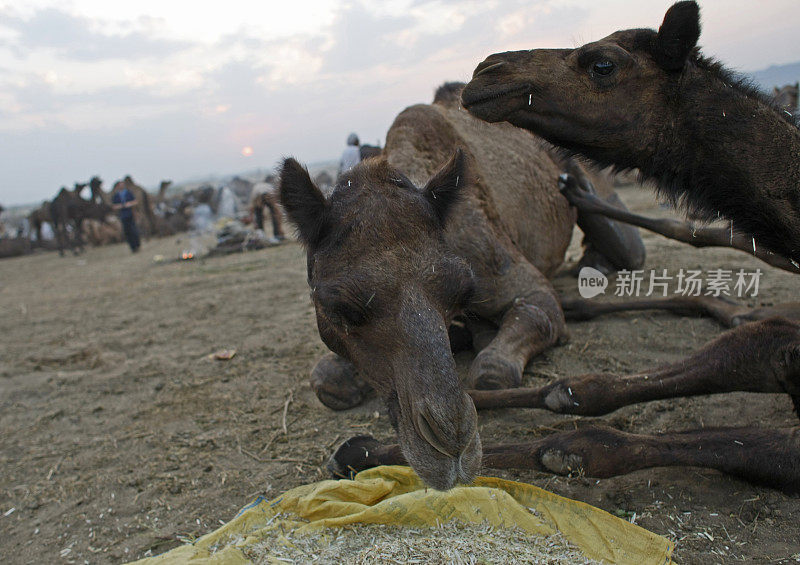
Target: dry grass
(452, 543)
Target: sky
(162, 89)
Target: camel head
(385, 288)
(605, 99)
(98, 194)
(78, 188)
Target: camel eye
(603, 68)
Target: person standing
(263, 195)
(123, 202)
(351, 155)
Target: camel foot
(353, 456)
(490, 371)
(336, 383)
(562, 463)
(569, 186)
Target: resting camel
(658, 105)
(391, 265)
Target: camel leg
(681, 231)
(277, 219)
(80, 245)
(764, 456)
(759, 357)
(530, 321)
(727, 313)
(336, 383)
(60, 231)
(609, 245)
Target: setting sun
(247, 151)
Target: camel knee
(336, 383)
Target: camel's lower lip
(469, 99)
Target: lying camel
(391, 265)
(541, 90)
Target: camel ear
(678, 35)
(303, 202)
(444, 189)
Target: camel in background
(786, 97)
(68, 211)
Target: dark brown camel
(68, 210)
(761, 356)
(390, 266)
(649, 100)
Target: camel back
(514, 177)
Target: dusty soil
(119, 438)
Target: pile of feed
(455, 542)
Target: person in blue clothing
(123, 202)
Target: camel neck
(725, 152)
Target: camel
(391, 266)
(99, 233)
(786, 97)
(711, 141)
(69, 210)
(38, 217)
(161, 196)
(538, 90)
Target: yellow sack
(395, 495)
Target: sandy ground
(119, 438)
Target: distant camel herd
(410, 260)
(76, 220)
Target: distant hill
(776, 75)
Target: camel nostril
(485, 69)
(428, 431)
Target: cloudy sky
(167, 89)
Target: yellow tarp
(395, 495)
